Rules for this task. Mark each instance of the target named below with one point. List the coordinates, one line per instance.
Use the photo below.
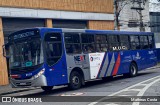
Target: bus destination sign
(23, 35)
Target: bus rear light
(39, 74)
(15, 76)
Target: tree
(118, 7)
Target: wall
(101, 6)
(101, 25)
(154, 5)
(3, 65)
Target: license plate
(22, 84)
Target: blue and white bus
(47, 57)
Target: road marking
(144, 89)
(134, 89)
(128, 88)
(111, 104)
(72, 94)
(124, 95)
(142, 84)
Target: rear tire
(47, 88)
(133, 70)
(75, 80)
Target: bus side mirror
(4, 51)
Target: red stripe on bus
(116, 67)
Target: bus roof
(113, 32)
(98, 31)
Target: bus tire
(47, 88)
(133, 70)
(75, 80)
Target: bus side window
(88, 45)
(53, 46)
(150, 40)
(134, 41)
(124, 42)
(144, 42)
(113, 42)
(101, 43)
(72, 43)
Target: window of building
(88, 44)
(72, 43)
(134, 41)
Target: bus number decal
(120, 48)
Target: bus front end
(26, 61)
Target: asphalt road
(147, 83)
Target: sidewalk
(4, 90)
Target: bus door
(55, 59)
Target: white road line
(135, 89)
(134, 85)
(112, 104)
(124, 95)
(142, 84)
(144, 89)
(126, 89)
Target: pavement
(7, 89)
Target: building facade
(155, 19)
(80, 14)
(130, 19)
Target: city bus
(47, 57)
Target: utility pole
(141, 18)
(115, 15)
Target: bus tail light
(39, 74)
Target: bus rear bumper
(40, 81)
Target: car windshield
(26, 53)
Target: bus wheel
(47, 88)
(133, 70)
(75, 80)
